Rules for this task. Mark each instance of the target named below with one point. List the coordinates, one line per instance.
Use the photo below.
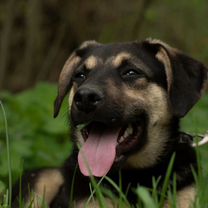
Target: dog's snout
(87, 99)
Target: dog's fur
(148, 84)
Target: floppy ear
(64, 82)
(185, 76)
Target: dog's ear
(185, 76)
(64, 83)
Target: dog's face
(123, 98)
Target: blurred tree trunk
(37, 36)
(36, 40)
(34, 45)
(143, 8)
(5, 40)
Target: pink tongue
(98, 153)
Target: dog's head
(123, 98)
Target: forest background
(36, 37)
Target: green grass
(196, 120)
(28, 131)
(9, 195)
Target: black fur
(188, 78)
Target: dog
(125, 105)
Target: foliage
(36, 139)
(195, 121)
(37, 36)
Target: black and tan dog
(125, 103)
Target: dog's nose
(87, 100)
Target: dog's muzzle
(107, 135)
(88, 99)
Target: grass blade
(116, 187)
(8, 154)
(145, 197)
(166, 181)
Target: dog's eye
(79, 76)
(131, 74)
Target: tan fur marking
(87, 43)
(78, 134)
(112, 89)
(168, 47)
(67, 71)
(185, 198)
(46, 187)
(91, 62)
(120, 58)
(71, 95)
(70, 63)
(162, 56)
(79, 137)
(154, 100)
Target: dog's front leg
(37, 188)
(184, 198)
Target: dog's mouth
(104, 145)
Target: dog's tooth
(121, 139)
(129, 130)
(81, 126)
(126, 134)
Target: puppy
(125, 104)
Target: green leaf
(145, 197)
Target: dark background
(38, 35)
